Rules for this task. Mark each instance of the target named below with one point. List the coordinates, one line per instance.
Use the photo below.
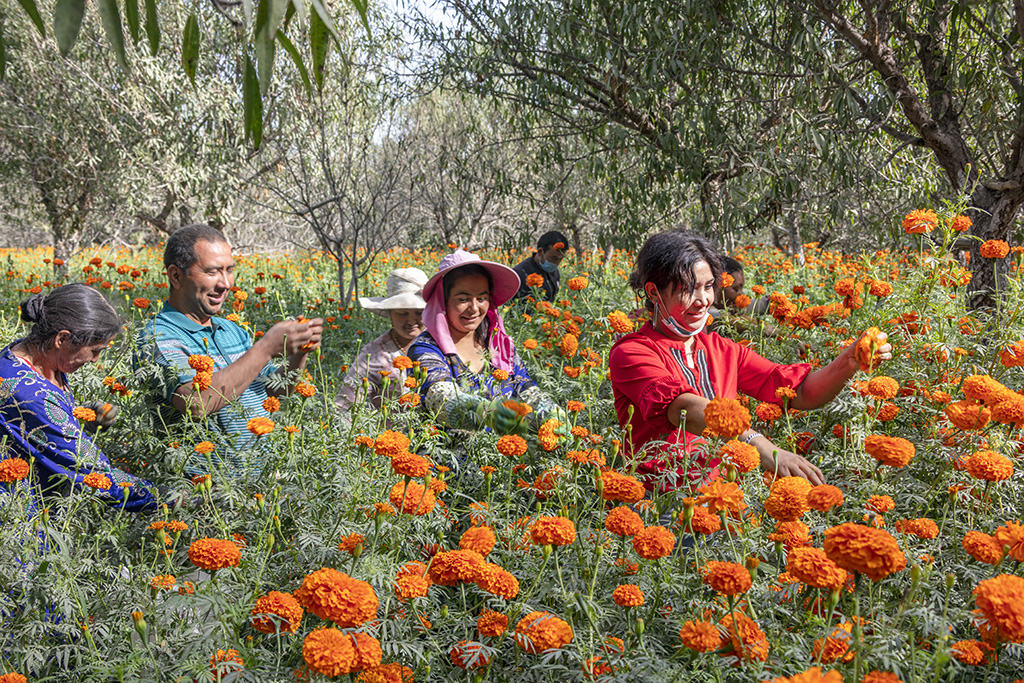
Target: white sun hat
(403, 291)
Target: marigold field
(538, 559)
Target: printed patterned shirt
(169, 338)
(36, 421)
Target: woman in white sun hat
(470, 363)
(403, 305)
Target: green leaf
(290, 48)
(67, 20)
(190, 47)
(33, 13)
(3, 54)
(319, 41)
(131, 17)
(276, 10)
(111, 18)
(361, 7)
(247, 9)
(152, 27)
(252, 105)
(325, 17)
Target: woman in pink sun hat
(470, 362)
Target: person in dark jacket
(544, 263)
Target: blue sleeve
(520, 376)
(40, 424)
(432, 362)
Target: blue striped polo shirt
(168, 339)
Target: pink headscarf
(500, 345)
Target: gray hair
(77, 308)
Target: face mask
(675, 328)
(549, 267)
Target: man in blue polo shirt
(200, 274)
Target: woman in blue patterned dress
(71, 326)
(470, 362)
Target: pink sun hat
(505, 280)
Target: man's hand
(292, 337)
(790, 464)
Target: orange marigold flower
(214, 553)
(534, 280)
(578, 283)
(867, 347)
(788, 498)
(349, 543)
(1009, 410)
(469, 655)
(530, 344)
(402, 363)
(960, 223)
(491, 623)
(412, 499)
(889, 450)
(628, 595)
(880, 504)
(921, 527)
(920, 221)
(877, 676)
(999, 600)
(305, 389)
(260, 426)
(813, 567)
(84, 414)
(338, 597)
(748, 640)
(569, 345)
(575, 406)
(479, 539)
(200, 363)
(511, 445)
(391, 443)
(721, 495)
(824, 497)
(792, 534)
(622, 521)
(654, 542)
(883, 388)
(983, 548)
(452, 567)
(742, 455)
(989, 466)
(553, 531)
(162, 582)
(497, 581)
(540, 631)
(546, 435)
(702, 636)
(1012, 356)
(971, 652)
(284, 606)
(742, 301)
(865, 550)
(1011, 535)
(703, 522)
(386, 673)
(331, 652)
(16, 469)
(768, 412)
(499, 375)
(409, 587)
(726, 417)
(621, 488)
(619, 322)
(968, 415)
(880, 288)
(727, 578)
(836, 646)
(410, 465)
(984, 388)
(994, 249)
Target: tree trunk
(992, 221)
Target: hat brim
(505, 280)
(405, 300)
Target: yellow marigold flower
(511, 445)
(727, 578)
(16, 469)
(653, 542)
(994, 249)
(260, 426)
(813, 567)
(491, 623)
(540, 631)
(862, 549)
(479, 539)
(788, 498)
(337, 597)
(702, 636)
(553, 531)
(920, 221)
(622, 521)
(214, 553)
(889, 450)
(989, 466)
(284, 606)
(726, 417)
(628, 595)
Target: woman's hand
(789, 464)
(106, 413)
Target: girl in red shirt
(669, 370)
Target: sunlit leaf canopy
(260, 26)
